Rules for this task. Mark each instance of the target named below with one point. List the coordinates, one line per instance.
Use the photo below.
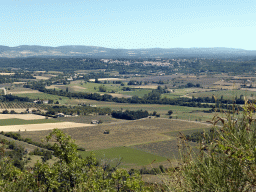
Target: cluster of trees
(79, 110)
(133, 82)
(130, 115)
(16, 77)
(9, 98)
(227, 162)
(153, 171)
(192, 85)
(153, 97)
(46, 155)
(136, 66)
(18, 137)
(15, 153)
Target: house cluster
(41, 101)
(63, 115)
(74, 77)
(84, 104)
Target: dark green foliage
(170, 112)
(102, 88)
(69, 173)
(226, 159)
(130, 115)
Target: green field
(129, 156)
(137, 92)
(227, 94)
(94, 87)
(180, 112)
(45, 96)
(5, 122)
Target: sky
(129, 24)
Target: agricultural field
(127, 137)
(39, 125)
(15, 121)
(45, 96)
(179, 112)
(21, 116)
(20, 107)
(88, 119)
(169, 148)
(227, 94)
(127, 155)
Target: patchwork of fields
(137, 143)
(145, 140)
(31, 122)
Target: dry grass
(42, 77)
(23, 92)
(21, 116)
(124, 133)
(146, 86)
(7, 73)
(40, 127)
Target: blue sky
(129, 23)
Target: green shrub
(226, 163)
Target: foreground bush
(227, 163)
(69, 173)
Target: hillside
(101, 52)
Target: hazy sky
(129, 23)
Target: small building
(3, 90)
(94, 122)
(60, 115)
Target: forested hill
(101, 52)
(131, 66)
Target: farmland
(137, 142)
(226, 94)
(5, 122)
(128, 136)
(44, 96)
(128, 156)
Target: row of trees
(79, 110)
(130, 115)
(153, 97)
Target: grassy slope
(129, 155)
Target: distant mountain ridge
(102, 52)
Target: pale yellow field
(21, 116)
(7, 73)
(146, 86)
(17, 83)
(44, 126)
(22, 92)
(78, 87)
(42, 77)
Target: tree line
(130, 115)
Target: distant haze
(101, 52)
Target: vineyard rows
(11, 105)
